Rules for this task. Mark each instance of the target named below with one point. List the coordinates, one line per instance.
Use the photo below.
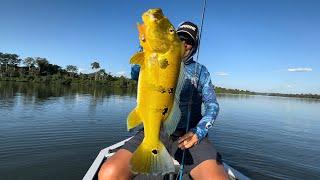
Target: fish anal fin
(133, 120)
(137, 58)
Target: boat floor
(92, 173)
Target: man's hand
(188, 140)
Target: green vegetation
(233, 91)
(245, 92)
(39, 70)
(312, 96)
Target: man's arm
(135, 69)
(210, 103)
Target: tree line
(39, 69)
(246, 92)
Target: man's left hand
(188, 140)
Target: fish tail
(151, 160)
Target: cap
(189, 30)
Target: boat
(92, 173)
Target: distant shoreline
(220, 90)
(120, 82)
(123, 82)
(315, 99)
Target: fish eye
(143, 39)
(171, 30)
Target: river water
(55, 132)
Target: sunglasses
(187, 40)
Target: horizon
(265, 46)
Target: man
(201, 159)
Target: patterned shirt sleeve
(135, 69)
(210, 103)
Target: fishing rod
(190, 99)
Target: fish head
(156, 33)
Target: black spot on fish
(170, 91)
(162, 89)
(163, 63)
(154, 151)
(164, 111)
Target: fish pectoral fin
(133, 120)
(153, 160)
(138, 58)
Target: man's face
(187, 47)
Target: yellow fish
(159, 86)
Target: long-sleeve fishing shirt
(197, 89)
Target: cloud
(221, 74)
(299, 69)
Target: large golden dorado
(159, 86)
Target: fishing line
(194, 77)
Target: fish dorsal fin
(138, 58)
(170, 124)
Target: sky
(257, 45)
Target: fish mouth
(153, 15)
(151, 34)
